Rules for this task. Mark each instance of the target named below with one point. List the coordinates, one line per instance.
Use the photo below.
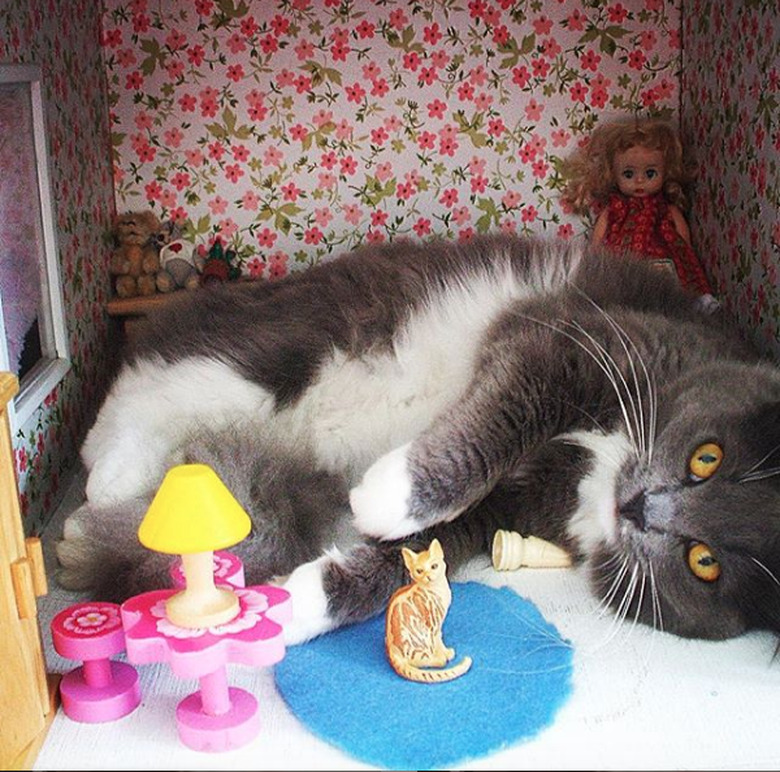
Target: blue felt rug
(343, 689)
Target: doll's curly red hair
(589, 172)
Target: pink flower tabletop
(88, 631)
(254, 637)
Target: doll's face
(639, 171)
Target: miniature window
(33, 337)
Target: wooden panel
(25, 697)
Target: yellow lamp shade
(191, 512)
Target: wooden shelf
(138, 306)
(131, 312)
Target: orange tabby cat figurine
(415, 615)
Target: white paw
(75, 554)
(309, 603)
(380, 502)
(121, 475)
(73, 527)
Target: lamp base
(202, 609)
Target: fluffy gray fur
(599, 347)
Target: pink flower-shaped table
(216, 717)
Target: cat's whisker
(766, 570)
(647, 416)
(610, 368)
(758, 464)
(539, 629)
(657, 613)
(614, 566)
(610, 560)
(601, 364)
(515, 671)
(648, 430)
(596, 423)
(625, 339)
(550, 639)
(640, 601)
(623, 607)
(629, 416)
(616, 575)
(648, 578)
(653, 419)
(759, 475)
(637, 412)
(606, 601)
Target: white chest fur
(595, 519)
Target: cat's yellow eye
(705, 461)
(703, 563)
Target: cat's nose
(634, 510)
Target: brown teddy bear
(136, 258)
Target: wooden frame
(28, 694)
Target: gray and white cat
(446, 391)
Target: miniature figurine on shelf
(631, 173)
(220, 265)
(414, 620)
(511, 551)
(135, 259)
(192, 515)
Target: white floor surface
(641, 700)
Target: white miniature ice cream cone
(511, 551)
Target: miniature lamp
(192, 515)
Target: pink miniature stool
(99, 690)
(228, 569)
(217, 717)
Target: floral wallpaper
(63, 37)
(299, 128)
(731, 115)
(296, 129)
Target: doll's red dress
(644, 226)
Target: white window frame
(54, 363)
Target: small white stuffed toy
(181, 264)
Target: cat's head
(696, 547)
(427, 566)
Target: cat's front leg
(151, 409)
(338, 589)
(343, 588)
(524, 392)
(381, 503)
(436, 477)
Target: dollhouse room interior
(289, 131)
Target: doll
(632, 174)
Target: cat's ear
(408, 557)
(435, 550)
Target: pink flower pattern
(92, 619)
(300, 129)
(252, 603)
(731, 118)
(359, 122)
(63, 38)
